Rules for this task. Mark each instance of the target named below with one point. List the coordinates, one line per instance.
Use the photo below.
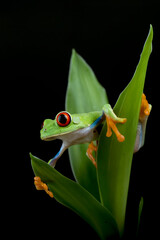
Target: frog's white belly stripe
(139, 138)
(83, 135)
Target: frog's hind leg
(89, 153)
(96, 128)
(141, 128)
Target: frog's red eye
(63, 119)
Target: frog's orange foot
(42, 186)
(91, 148)
(111, 125)
(145, 108)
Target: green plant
(99, 195)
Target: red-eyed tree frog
(85, 128)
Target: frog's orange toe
(120, 138)
(111, 124)
(145, 108)
(91, 148)
(42, 186)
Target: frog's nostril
(42, 125)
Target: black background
(36, 40)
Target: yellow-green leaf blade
(114, 158)
(84, 92)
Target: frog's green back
(85, 119)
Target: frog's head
(63, 124)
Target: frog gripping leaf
(80, 128)
(84, 128)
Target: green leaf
(139, 214)
(75, 197)
(114, 158)
(84, 94)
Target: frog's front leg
(111, 120)
(42, 186)
(53, 160)
(37, 180)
